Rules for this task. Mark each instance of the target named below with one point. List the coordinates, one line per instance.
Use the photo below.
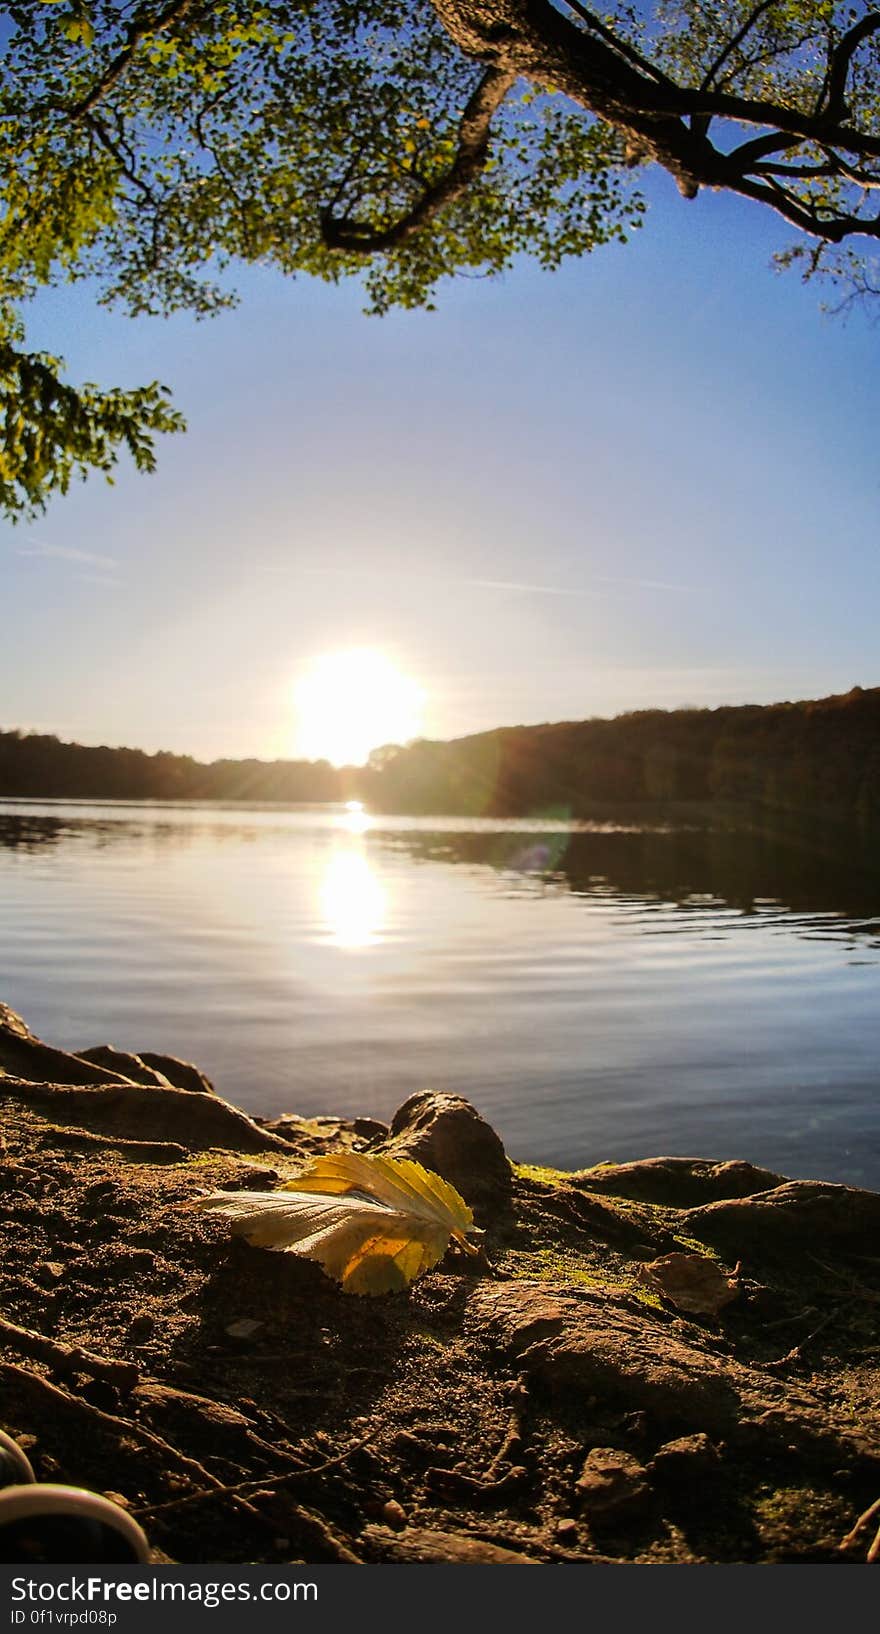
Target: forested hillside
(42, 767)
(821, 756)
(818, 757)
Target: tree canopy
(148, 146)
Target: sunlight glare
(354, 819)
(352, 900)
(351, 702)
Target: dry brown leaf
(692, 1282)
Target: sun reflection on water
(356, 820)
(353, 903)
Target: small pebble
(394, 1514)
(245, 1329)
(49, 1271)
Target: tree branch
(596, 26)
(664, 121)
(832, 229)
(714, 67)
(137, 31)
(835, 89)
(748, 153)
(97, 126)
(340, 233)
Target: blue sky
(650, 479)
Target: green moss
(692, 1245)
(552, 1264)
(534, 1171)
(782, 1511)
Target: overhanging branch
(835, 107)
(138, 30)
(668, 122)
(358, 237)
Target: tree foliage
(148, 145)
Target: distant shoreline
(816, 758)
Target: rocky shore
(669, 1361)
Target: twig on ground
(510, 1446)
(325, 1537)
(254, 1484)
(52, 1400)
(67, 1359)
(797, 1351)
(789, 1321)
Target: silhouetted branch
(838, 70)
(714, 68)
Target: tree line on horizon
(812, 757)
(40, 766)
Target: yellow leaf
(373, 1223)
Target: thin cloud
(382, 575)
(518, 586)
(67, 553)
(526, 589)
(651, 584)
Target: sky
(648, 480)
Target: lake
(609, 991)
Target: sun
(348, 703)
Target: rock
(592, 1343)
(243, 1329)
(141, 1326)
(135, 1111)
(369, 1129)
(48, 1272)
(612, 1487)
(566, 1530)
(678, 1182)
(137, 1151)
(182, 1074)
(447, 1134)
(22, 1055)
(202, 1422)
(394, 1515)
(313, 1137)
(634, 1230)
(422, 1545)
(518, 1315)
(805, 1211)
(684, 1458)
(124, 1065)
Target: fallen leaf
(373, 1223)
(691, 1282)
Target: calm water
(608, 993)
